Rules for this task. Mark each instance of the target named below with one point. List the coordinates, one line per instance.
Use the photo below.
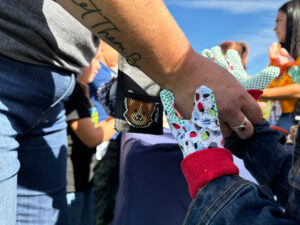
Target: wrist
(203, 166)
(186, 78)
(195, 71)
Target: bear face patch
(138, 113)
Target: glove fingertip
(202, 89)
(216, 50)
(201, 94)
(232, 52)
(271, 70)
(167, 99)
(166, 95)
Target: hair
(292, 41)
(240, 47)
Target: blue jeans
(33, 143)
(286, 120)
(81, 207)
(231, 200)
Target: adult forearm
(144, 32)
(123, 25)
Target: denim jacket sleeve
(231, 200)
(266, 157)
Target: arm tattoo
(105, 27)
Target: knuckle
(227, 109)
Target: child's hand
(203, 130)
(280, 57)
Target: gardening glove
(231, 61)
(202, 131)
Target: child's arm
(79, 119)
(90, 135)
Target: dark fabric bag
(139, 108)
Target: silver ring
(242, 127)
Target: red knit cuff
(255, 93)
(203, 166)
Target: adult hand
(281, 58)
(234, 103)
(231, 61)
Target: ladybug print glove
(202, 131)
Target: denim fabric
(81, 207)
(286, 120)
(232, 200)
(266, 157)
(33, 144)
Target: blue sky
(207, 23)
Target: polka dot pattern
(203, 130)
(232, 62)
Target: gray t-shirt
(41, 32)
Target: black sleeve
(78, 106)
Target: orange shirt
(287, 106)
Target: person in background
(108, 59)
(106, 170)
(283, 91)
(42, 49)
(84, 134)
